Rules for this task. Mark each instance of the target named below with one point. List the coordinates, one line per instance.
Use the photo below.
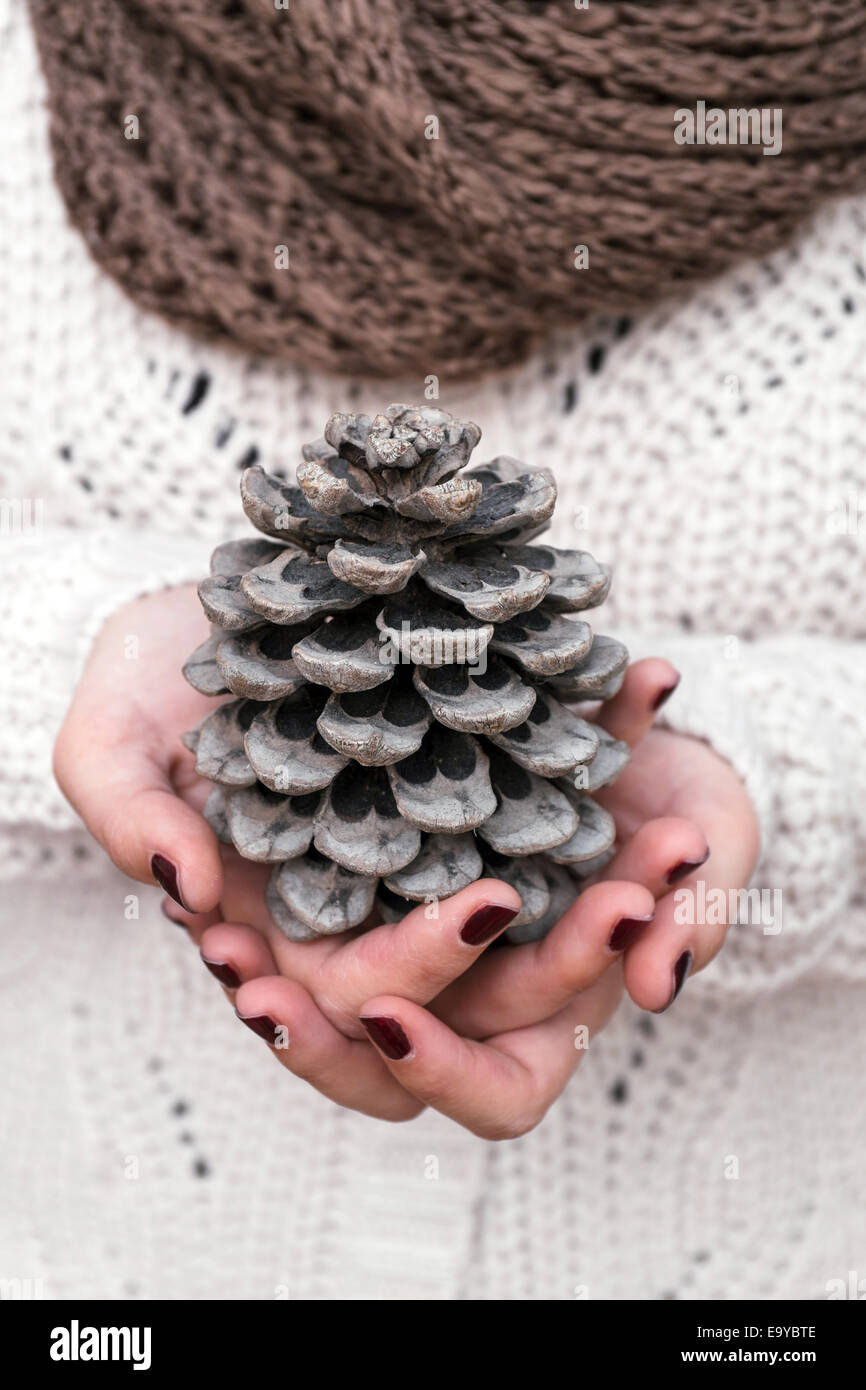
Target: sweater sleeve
(789, 713)
(57, 588)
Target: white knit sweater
(713, 452)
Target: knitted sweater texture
(713, 452)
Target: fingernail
(681, 971)
(263, 1026)
(166, 912)
(389, 1037)
(486, 923)
(664, 695)
(165, 874)
(223, 972)
(626, 930)
(686, 867)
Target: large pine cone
(400, 656)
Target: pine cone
(400, 652)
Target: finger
(660, 854)
(125, 798)
(526, 984)
(283, 1014)
(691, 922)
(235, 954)
(647, 685)
(419, 955)
(500, 1089)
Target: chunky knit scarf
(393, 188)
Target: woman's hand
(121, 764)
(118, 757)
(317, 1003)
(535, 1006)
(672, 782)
(423, 956)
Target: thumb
(126, 800)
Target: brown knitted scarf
(309, 127)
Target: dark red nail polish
(681, 971)
(626, 930)
(686, 867)
(664, 695)
(223, 972)
(486, 923)
(389, 1037)
(263, 1026)
(165, 874)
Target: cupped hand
(673, 782)
(491, 1049)
(118, 758)
(499, 1042)
(317, 1003)
(504, 1030)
